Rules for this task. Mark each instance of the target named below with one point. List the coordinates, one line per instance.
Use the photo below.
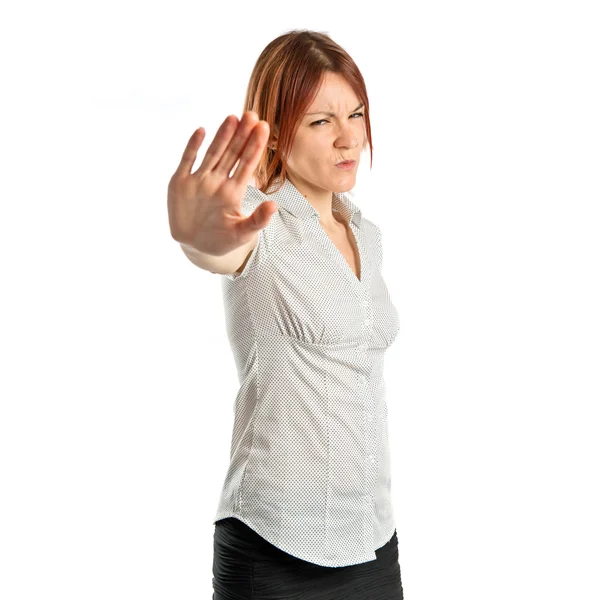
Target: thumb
(267, 210)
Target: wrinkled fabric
(247, 567)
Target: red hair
(285, 80)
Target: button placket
(370, 437)
(362, 347)
(367, 311)
(370, 434)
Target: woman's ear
(274, 136)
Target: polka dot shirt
(310, 463)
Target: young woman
(305, 510)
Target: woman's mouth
(347, 165)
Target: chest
(343, 239)
(305, 286)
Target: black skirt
(247, 567)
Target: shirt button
(363, 378)
(370, 418)
(367, 321)
(365, 303)
(371, 458)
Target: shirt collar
(291, 200)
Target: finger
(252, 153)
(191, 151)
(236, 145)
(221, 141)
(260, 218)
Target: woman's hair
(284, 82)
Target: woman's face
(323, 140)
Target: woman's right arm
(204, 207)
(234, 262)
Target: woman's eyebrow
(330, 114)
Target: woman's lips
(347, 166)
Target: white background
(117, 381)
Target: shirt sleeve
(249, 204)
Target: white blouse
(310, 462)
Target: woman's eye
(326, 121)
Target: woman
(305, 510)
